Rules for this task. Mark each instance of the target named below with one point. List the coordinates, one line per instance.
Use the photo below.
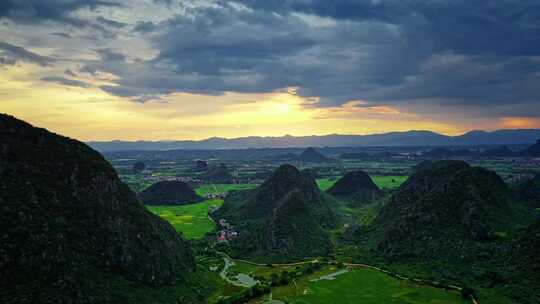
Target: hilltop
(218, 174)
(169, 193)
(71, 228)
(310, 155)
(283, 219)
(356, 186)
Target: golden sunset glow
(520, 122)
(88, 113)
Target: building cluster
(215, 195)
(226, 231)
(154, 178)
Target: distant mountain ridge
(408, 138)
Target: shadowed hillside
(447, 211)
(282, 219)
(525, 266)
(169, 193)
(67, 221)
(355, 186)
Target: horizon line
(313, 135)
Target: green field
(389, 182)
(382, 181)
(221, 188)
(191, 220)
(364, 286)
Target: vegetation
(361, 285)
(67, 217)
(73, 233)
(191, 220)
(356, 187)
(169, 193)
(284, 218)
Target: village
(226, 231)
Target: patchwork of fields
(364, 286)
(191, 220)
(334, 285)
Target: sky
(179, 69)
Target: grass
(383, 181)
(389, 182)
(365, 286)
(191, 220)
(222, 188)
(325, 183)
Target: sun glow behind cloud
(87, 113)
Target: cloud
(461, 58)
(110, 55)
(66, 81)
(33, 11)
(145, 27)
(110, 23)
(7, 61)
(12, 53)
(387, 52)
(63, 35)
(70, 73)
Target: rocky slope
(284, 218)
(445, 212)
(356, 186)
(169, 193)
(65, 214)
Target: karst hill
(69, 224)
(284, 218)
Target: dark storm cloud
(65, 81)
(385, 52)
(32, 11)
(12, 53)
(500, 26)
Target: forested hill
(71, 229)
